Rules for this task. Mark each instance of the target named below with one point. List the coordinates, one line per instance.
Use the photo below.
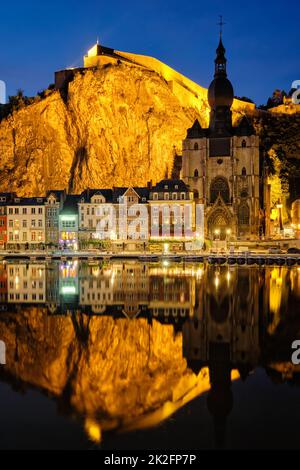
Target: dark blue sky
(261, 39)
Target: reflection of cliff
(99, 367)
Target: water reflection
(123, 345)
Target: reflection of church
(221, 163)
(224, 336)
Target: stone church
(221, 164)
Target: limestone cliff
(119, 126)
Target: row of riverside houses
(69, 221)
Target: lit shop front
(68, 233)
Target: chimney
(149, 184)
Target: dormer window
(155, 196)
(176, 186)
(166, 186)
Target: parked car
(293, 250)
(274, 250)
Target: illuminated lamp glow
(68, 290)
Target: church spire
(220, 93)
(220, 60)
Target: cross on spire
(221, 24)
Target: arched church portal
(219, 225)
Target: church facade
(221, 164)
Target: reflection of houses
(52, 286)
(96, 287)
(172, 296)
(68, 283)
(131, 287)
(118, 288)
(26, 283)
(3, 283)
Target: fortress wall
(285, 109)
(199, 92)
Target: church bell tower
(220, 163)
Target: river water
(129, 355)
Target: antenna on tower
(221, 24)
(97, 40)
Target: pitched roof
(196, 131)
(70, 204)
(142, 192)
(89, 193)
(245, 127)
(27, 201)
(168, 185)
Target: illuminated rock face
(119, 126)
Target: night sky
(261, 39)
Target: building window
(10, 210)
(219, 187)
(24, 211)
(33, 238)
(33, 210)
(196, 173)
(167, 196)
(40, 210)
(244, 172)
(155, 196)
(16, 210)
(174, 196)
(33, 223)
(196, 146)
(244, 143)
(243, 214)
(182, 196)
